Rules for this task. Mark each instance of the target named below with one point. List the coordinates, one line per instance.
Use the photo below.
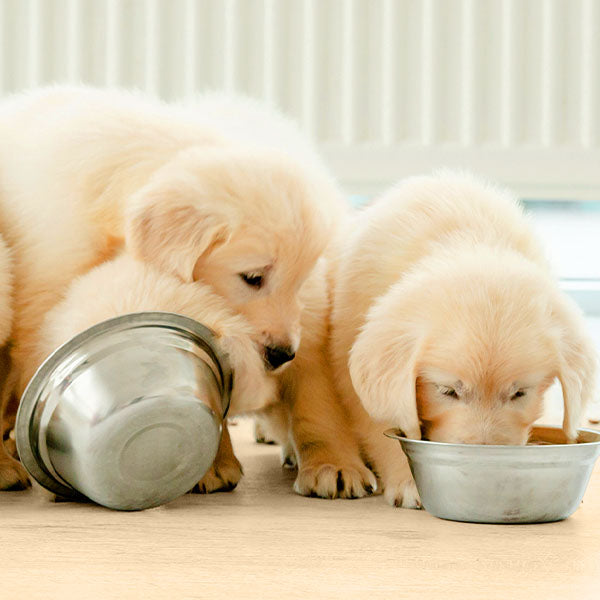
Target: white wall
(509, 88)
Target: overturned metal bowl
(127, 413)
(537, 483)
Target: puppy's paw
(288, 457)
(403, 494)
(223, 476)
(260, 436)
(335, 481)
(12, 475)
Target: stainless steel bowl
(503, 484)
(127, 413)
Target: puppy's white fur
(126, 285)
(84, 171)
(446, 318)
(86, 175)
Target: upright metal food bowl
(127, 413)
(503, 484)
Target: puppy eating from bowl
(447, 323)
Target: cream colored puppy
(128, 285)
(86, 174)
(447, 323)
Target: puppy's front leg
(390, 463)
(8, 427)
(225, 472)
(329, 461)
(12, 475)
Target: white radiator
(509, 88)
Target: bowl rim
(26, 447)
(394, 432)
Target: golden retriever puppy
(86, 174)
(128, 286)
(446, 322)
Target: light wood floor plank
(263, 541)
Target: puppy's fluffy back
(247, 121)
(425, 211)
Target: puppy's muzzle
(275, 356)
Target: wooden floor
(263, 541)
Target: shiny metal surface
(503, 484)
(127, 413)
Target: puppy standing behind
(128, 286)
(87, 174)
(446, 320)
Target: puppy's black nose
(278, 355)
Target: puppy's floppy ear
(383, 365)
(172, 230)
(578, 364)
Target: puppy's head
(129, 285)
(251, 224)
(464, 350)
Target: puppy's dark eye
(254, 280)
(518, 394)
(449, 392)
